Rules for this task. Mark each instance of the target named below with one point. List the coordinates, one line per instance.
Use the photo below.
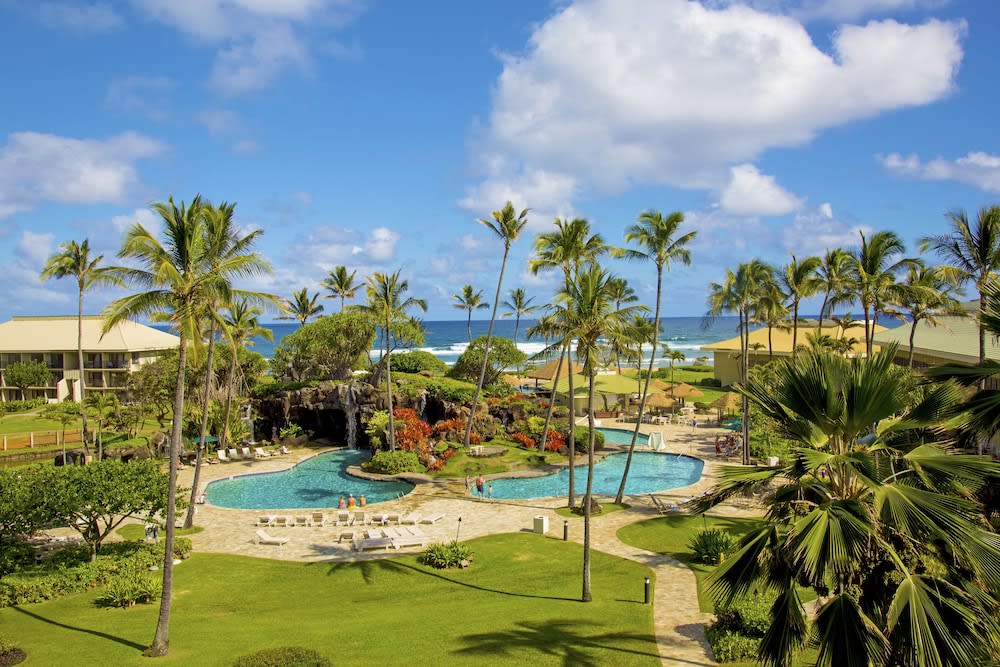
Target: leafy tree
(925, 295)
(872, 514)
(415, 361)
(240, 326)
(469, 300)
(24, 374)
(341, 285)
(301, 307)
(503, 354)
(329, 348)
(103, 404)
(518, 304)
(152, 386)
(20, 512)
(73, 261)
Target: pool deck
(677, 618)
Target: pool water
(650, 472)
(316, 482)
(617, 436)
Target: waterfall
(350, 403)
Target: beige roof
(782, 340)
(547, 371)
(58, 334)
(953, 339)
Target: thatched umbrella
(726, 403)
(684, 390)
(659, 401)
(548, 371)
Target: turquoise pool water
(618, 436)
(650, 472)
(316, 482)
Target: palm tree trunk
(199, 452)
(571, 439)
(745, 354)
(223, 437)
(909, 357)
(868, 335)
(161, 639)
(822, 309)
(486, 348)
(552, 405)
(517, 325)
(79, 360)
(388, 387)
(645, 386)
(982, 333)
(770, 345)
(586, 595)
(795, 332)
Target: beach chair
(348, 535)
(412, 517)
(432, 519)
(392, 517)
(222, 456)
(264, 538)
(658, 505)
(233, 454)
(245, 451)
(265, 520)
(302, 521)
(282, 522)
(407, 537)
(373, 543)
(360, 519)
(260, 453)
(318, 519)
(343, 518)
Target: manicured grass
(514, 458)
(606, 508)
(517, 605)
(25, 422)
(137, 532)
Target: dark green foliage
(327, 349)
(443, 556)
(447, 389)
(711, 546)
(285, 656)
(415, 361)
(581, 434)
(393, 463)
(730, 646)
(739, 627)
(24, 374)
(130, 588)
(14, 556)
(710, 382)
(20, 406)
(503, 354)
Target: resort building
(107, 359)
(777, 343)
(955, 339)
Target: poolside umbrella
(659, 401)
(684, 390)
(726, 403)
(548, 371)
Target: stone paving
(679, 624)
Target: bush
(581, 434)
(10, 654)
(14, 556)
(393, 463)
(447, 389)
(19, 406)
(443, 556)
(129, 589)
(523, 439)
(182, 547)
(285, 656)
(291, 431)
(730, 646)
(415, 361)
(749, 615)
(710, 382)
(711, 546)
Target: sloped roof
(548, 370)
(953, 339)
(58, 334)
(782, 340)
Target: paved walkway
(679, 624)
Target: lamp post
(645, 591)
(458, 532)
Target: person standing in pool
(351, 502)
(480, 486)
(489, 492)
(341, 504)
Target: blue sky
(374, 134)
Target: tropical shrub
(416, 361)
(130, 588)
(581, 434)
(412, 432)
(10, 654)
(376, 429)
(394, 463)
(711, 546)
(444, 388)
(739, 626)
(503, 354)
(291, 431)
(443, 556)
(523, 439)
(285, 656)
(731, 646)
(19, 406)
(554, 441)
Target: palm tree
(570, 246)
(102, 403)
(657, 239)
(469, 300)
(836, 275)
(341, 285)
(241, 326)
(740, 292)
(621, 292)
(386, 302)
(874, 517)
(925, 295)
(177, 281)
(876, 274)
(507, 225)
(674, 356)
(800, 280)
(592, 317)
(518, 304)
(73, 260)
(772, 312)
(300, 307)
(974, 253)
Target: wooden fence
(40, 439)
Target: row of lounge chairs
(242, 454)
(319, 519)
(664, 506)
(394, 538)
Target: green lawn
(23, 423)
(518, 604)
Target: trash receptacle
(541, 524)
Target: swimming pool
(316, 482)
(650, 472)
(618, 436)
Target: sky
(375, 134)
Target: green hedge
(285, 656)
(581, 434)
(394, 463)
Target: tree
(800, 280)
(300, 307)
(328, 349)
(103, 403)
(25, 374)
(341, 285)
(469, 300)
(152, 386)
(872, 515)
(386, 302)
(507, 225)
(518, 304)
(925, 295)
(658, 243)
(502, 354)
(73, 261)
(21, 513)
(622, 292)
(179, 277)
(772, 312)
(836, 275)
(876, 275)
(973, 250)
(240, 326)
(66, 413)
(674, 355)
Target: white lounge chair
(264, 538)
(360, 519)
(302, 521)
(434, 518)
(265, 520)
(343, 518)
(245, 451)
(282, 522)
(375, 539)
(233, 454)
(260, 453)
(318, 519)
(412, 517)
(222, 456)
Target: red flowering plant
(523, 439)
(554, 442)
(412, 432)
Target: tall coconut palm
(518, 304)
(772, 312)
(73, 261)
(973, 250)
(592, 317)
(340, 285)
(469, 300)
(674, 356)
(176, 278)
(870, 514)
(740, 292)
(836, 275)
(241, 326)
(800, 280)
(924, 296)
(570, 246)
(387, 303)
(301, 307)
(658, 243)
(876, 265)
(507, 225)
(621, 292)
(102, 403)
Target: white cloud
(326, 246)
(978, 168)
(148, 95)
(38, 167)
(96, 17)
(826, 210)
(815, 232)
(750, 192)
(35, 248)
(614, 94)
(380, 247)
(143, 216)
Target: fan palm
(301, 307)
(340, 285)
(878, 520)
(518, 304)
(73, 261)
(469, 300)
(974, 253)
(387, 303)
(656, 236)
(800, 280)
(876, 265)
